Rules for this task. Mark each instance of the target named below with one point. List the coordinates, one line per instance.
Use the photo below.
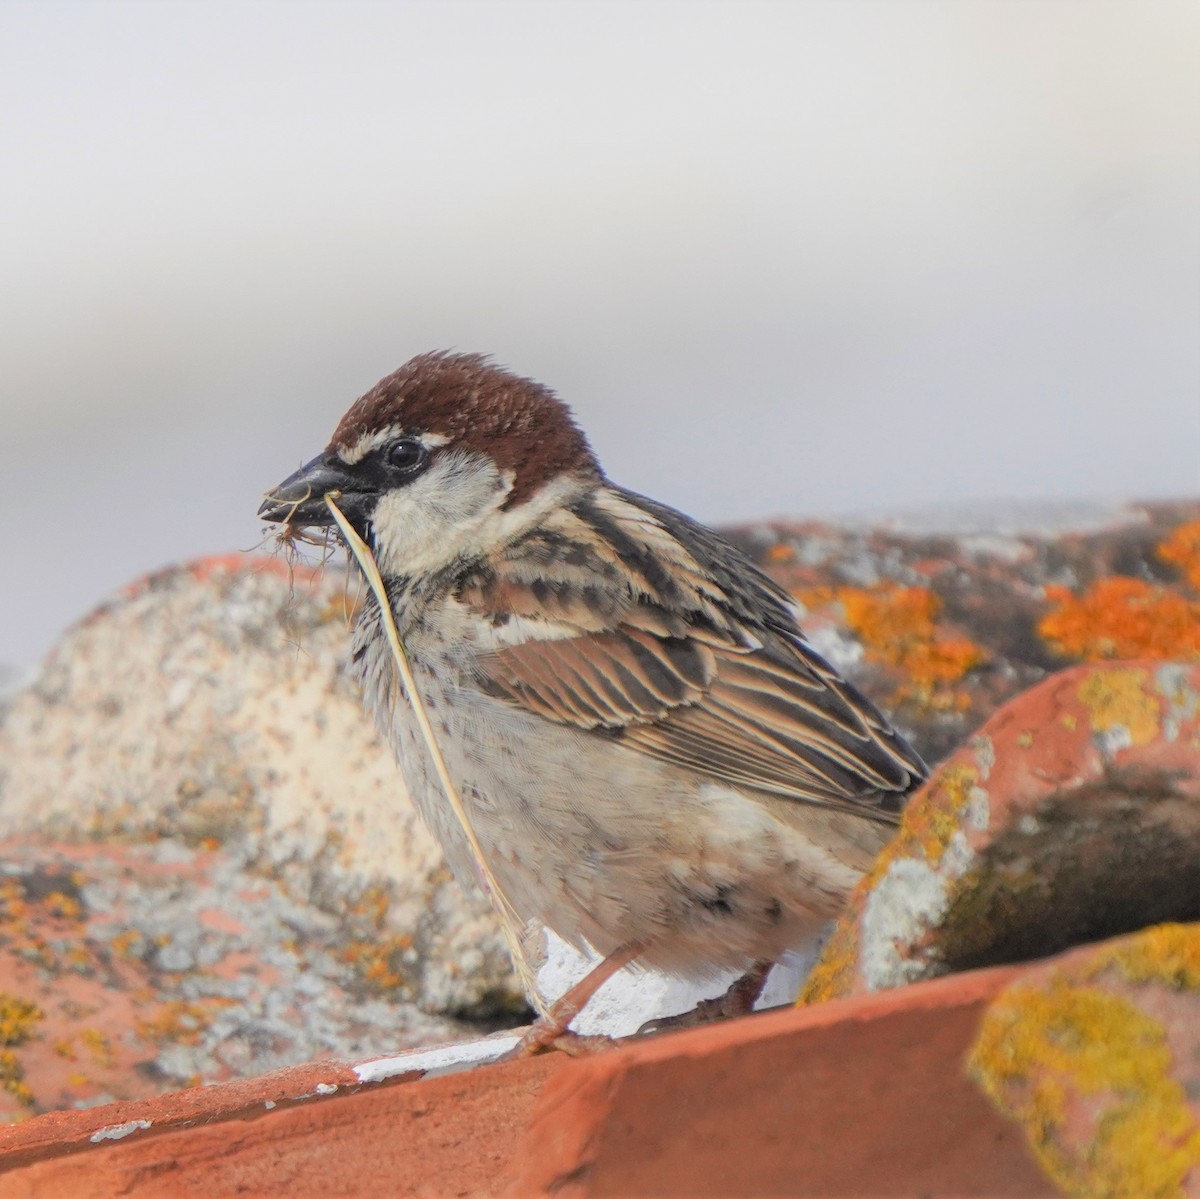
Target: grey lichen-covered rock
(209, 704)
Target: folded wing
(659, 634)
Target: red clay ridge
(861, 1097)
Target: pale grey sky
(783, 258)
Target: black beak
(300, 498)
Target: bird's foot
(553, 1029)
(738, 1000)
(544, 1035)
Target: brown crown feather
(479, 406)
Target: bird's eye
(407, 455)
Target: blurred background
(798, 258)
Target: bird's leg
(738, 1000)
(553, 1027)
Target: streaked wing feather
(687, 619)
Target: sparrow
(655, 761)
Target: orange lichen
(1182, 549)
(898, 626)
(375, 961)
(377, 956)
(372, 905)
(1119, 617)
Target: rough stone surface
(1097, 1059)
(1072, 815)
(194, 811)
(126, 970)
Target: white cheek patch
(424, 526)
(455, 511)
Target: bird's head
(442, 461)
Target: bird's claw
(544, 1035)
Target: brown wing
(686, 652)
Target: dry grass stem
(510, 923)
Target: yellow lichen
(1182, 549)
(12, 902)
(1118, 698)
(926, 829)
(127, 944)
(98, 1045)
(18, 1019)
(938, 816)
(1119, 617)
(178, 1021)
(833, 974)
(929, 821)
(12, 1078)
(1054, 1053)
(1167, 953)
(898, 627)
(65, 906)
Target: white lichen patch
(115, 1132)
(985, 754)
(1110, 741)
(1182, 698)
(909, 900)
(440, 1059)
(842, 652)
(978, 810)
